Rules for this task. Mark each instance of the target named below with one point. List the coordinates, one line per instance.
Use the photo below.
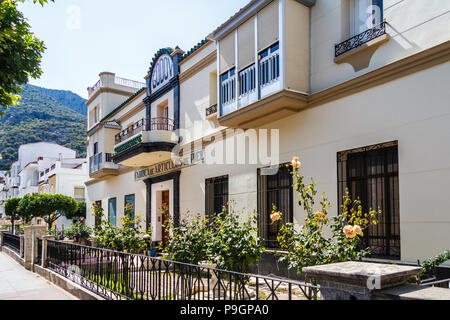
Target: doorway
(165, 216)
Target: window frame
(388, 230)
(264, 220)
(224, 195)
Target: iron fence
(12, 242)
(123, 276)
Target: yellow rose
(296, 163)
(318, 214)
(349, 232)
(357, 230)
(276, 216)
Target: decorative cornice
(192, 52)
(208, 60)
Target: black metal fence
(123, 276)
(12, 242)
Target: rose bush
(309, 245)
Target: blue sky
(86, 37)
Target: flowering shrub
(188, 242)
(309, 246)
(234, 245)
(127, 237)
(78, 231)
(224, 240)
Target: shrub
(224, 240)
(78, 230)
(188, 242)
(128, 237)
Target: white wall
(413, 26)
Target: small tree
(80, 213)
(12, 210)
(49, 207)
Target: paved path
(17, 283)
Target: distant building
(67, 177)
(44, 168)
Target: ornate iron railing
(211, 110)
(360, 39)
(165, 124)
(123, 276)
(12, 242)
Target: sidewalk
(17, 283)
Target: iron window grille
(274, 190)
(216, 195)
(371, 174)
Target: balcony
(211, 112)
(110, 80)
(366, 42)
(102, 165)
(261, 95)
(146, 142)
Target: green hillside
(65, 98)
(39, 117)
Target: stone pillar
(2, 232)
(30, 241)
(358, 280)
(22, 245)
(45, 238)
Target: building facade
(66, 177)
(356, 88)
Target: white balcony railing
(129, 83)
(228, 91)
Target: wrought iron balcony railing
(360, 39)
(153, 124)
(211, 110)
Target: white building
(66, 177)
(357, 89)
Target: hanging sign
(162, 72)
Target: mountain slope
(39, 117)
(66, 98)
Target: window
(78, 193)
(269, 65)
(216, 195)
(274, 190)
(371, 174)
(365, 15)
(95, 148)
(228, 87)
(129, 206)
(247, 81)
(112, 211)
